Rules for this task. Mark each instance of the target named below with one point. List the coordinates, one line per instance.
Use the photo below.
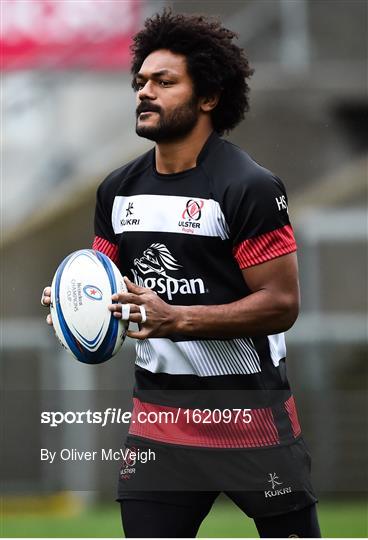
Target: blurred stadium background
(67, 112)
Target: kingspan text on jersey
(170, 286)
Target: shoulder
(116, 179)
(236, 168)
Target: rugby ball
(80, 293)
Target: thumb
(137, 334)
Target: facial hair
(173, 125)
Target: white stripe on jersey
(203, 358)
(169, 214)
(277, 347)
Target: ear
(208, 103)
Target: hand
(160, 317)
(46, 301)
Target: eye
(164, 83)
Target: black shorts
(262, 482)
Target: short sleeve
(104, 240)
(258, 219)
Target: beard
(171, 126)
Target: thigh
(162, 519)
(277, 481)
(299, 524)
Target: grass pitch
(337, 519)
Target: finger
(136, 318)
(142, 334)
(127, 298)
(118, 308)
(132, 287)
(120, 311)
(46, 297)
(133, 317)
(142, 309)
(49, 320)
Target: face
(167, 108)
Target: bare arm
(271, 308)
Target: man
(203, 235)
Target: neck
(177, 156)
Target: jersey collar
(212, 141)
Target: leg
(299, 524)
(153, 519)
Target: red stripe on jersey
(293, 415)
(106, 247)
(265, 247)
(191, 427)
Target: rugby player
(202, 233)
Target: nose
(146, 92)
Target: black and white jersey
(188, 236)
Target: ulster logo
(158, 260)
(127, 465)
(193, 210)
(191, 215)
